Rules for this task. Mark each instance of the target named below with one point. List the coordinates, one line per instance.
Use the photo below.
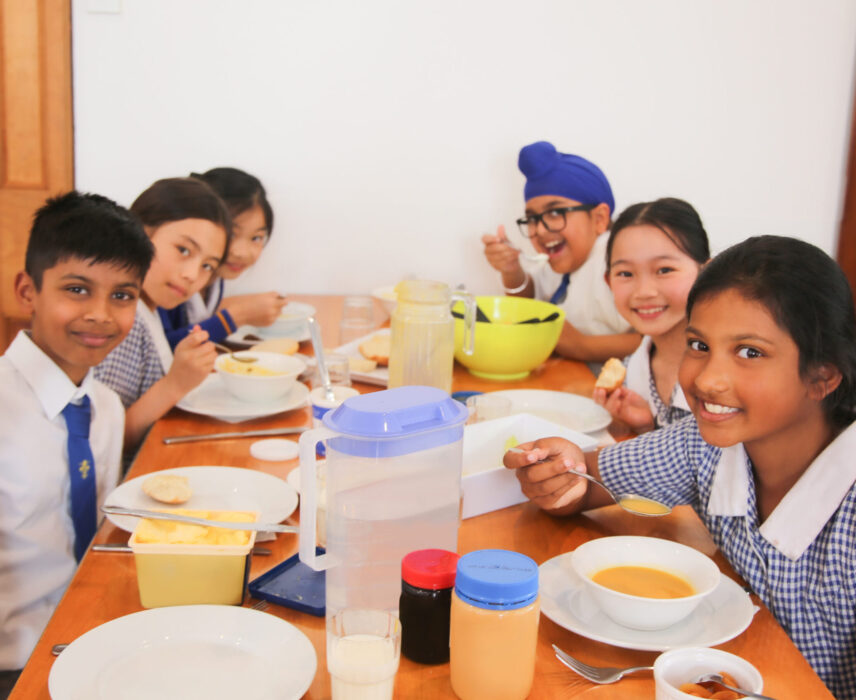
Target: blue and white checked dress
(801, 561)
(133, 365)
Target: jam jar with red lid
(427, 580)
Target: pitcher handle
(469, 302)
(309, 497)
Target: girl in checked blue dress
(767, 458)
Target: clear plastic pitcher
(393, 485)
(422, 343)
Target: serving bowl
(641, 612)
(506, 349)
(675, 667)
(269, 378)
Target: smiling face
(569, 248)
(81, 312)
(650, 277)
(249, 236)
(741, 377)
(187, 252)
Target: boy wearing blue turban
(569, 204)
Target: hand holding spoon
(631, 502)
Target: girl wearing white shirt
(190, 229)
(654, 253)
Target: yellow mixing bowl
(506, 349)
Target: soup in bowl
(644, 583)
(269, 377)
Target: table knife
(240, 434)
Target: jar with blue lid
(494, 625)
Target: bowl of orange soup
(644, 583)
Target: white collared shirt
(801, 560)
(36, 531)
(589, 306)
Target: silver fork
(596, 674)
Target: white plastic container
(487, 484)
(675, 667)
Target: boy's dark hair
(809, 297)
(674, 217)
(177, 198)
(240, 191)
(87, 227)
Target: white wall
(387, 132)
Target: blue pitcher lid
(396, 421)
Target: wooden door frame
(847, 232)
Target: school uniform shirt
(640, 378)
(589, 306)
(801, 560)
(178, 322)
(36, 530)
(142, 358)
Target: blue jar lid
(496, 579)
(396, 422)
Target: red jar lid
(432, 569)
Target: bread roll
(361, 364)
(611, 376)
(376, 348)
(168, 488)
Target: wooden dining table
(105, 585)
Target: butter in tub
(183, 564)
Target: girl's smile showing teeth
(649, 311)
(718, 409)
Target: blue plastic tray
(294, 585)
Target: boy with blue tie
(60, 429)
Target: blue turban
(549, 172)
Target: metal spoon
(631, 502)
(170, 515)
(315, 333)
(247, 359)
(534, 257)
(716, 678)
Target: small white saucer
(274, 450)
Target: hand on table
(254, 309)
(627, 406)
(545, 470)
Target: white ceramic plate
(721, 616)
(211, 398)
(572, 411)
(379, 375)
(214, 488)
(187, 652)
(240, 337)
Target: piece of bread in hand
(168, 488)
(611, 375)
(376, 348)
(286, 346)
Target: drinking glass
(363, 648)
(357, 318)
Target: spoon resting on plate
(631, 502)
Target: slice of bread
(376, 348)
(361, 364)
(168, 488)
(286, 346)
(611, 375)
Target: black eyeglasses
(554, 220)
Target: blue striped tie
(81, 470)
(561, 293)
